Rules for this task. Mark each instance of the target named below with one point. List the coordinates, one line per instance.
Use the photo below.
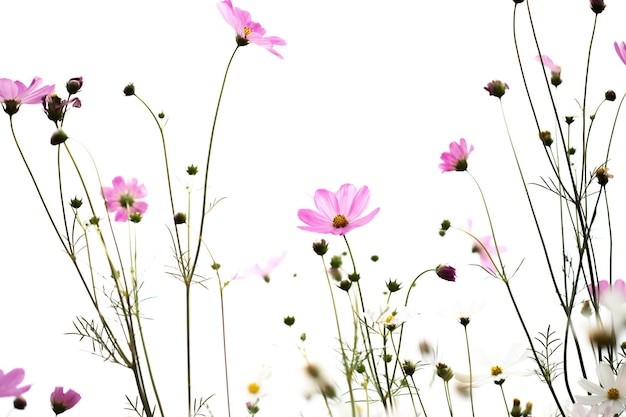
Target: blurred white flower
(497, 369)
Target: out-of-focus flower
(497, 369)
(123, 198)
(63, 401)
(621, 51)
(263, 272)
(456, 159)
(247, 30)
(496, 88)
(258, 386)
(486, 250)
(610, 393)
(389, 317)
(338, 213)
(597, 6)
(579, 410)
(603, 176)
(555, 70)
(9, 383)
(446, 272)
(14, 93)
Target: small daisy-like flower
(391, 318)
(257, 387)
(610, 393)
(247, 30)
(123, 198)
(497, 370)
(9, 383)
(339, 212)
(63, 401)
(263, 272)
(456, 159)
(15, 93)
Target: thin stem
(469, 364)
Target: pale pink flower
(548, 63)
(578, 410)
(247, 30)
(456, 159)
(339, 212)
(486, 250)
(63, 401)
(15, 93)
(123, 198)
(604, 288)
(621, 51)
(9, 383)
(610, 393)
(263, 272)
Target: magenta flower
(263, 272)
(446, 272)
(122, 198)
(456, 159)
(63, 401)
(15, 93)
(339, 212)
(9, 383)
(247, 30)
(621, 51)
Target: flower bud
(129, 90)
(393, 285)
(135, 217)
(516, 410)
(496, 88)
(320, 247)
(54, 107)
(444, 371)
(546, 137)
(76, 202)
(58, 137)
(597, 6)
(192, 170)
(94, 221)
(74, 85)
(528, 410)
(602, 174)
(336, 262)
(180, 218)
(586, 310)
(569, 119)
(408, 367)
(161, 115)
(289, 320)
(374, 258)
(19, 403)
(445, 225)
(345, 284)
(354, 277)
(446, 272)
(610, 95)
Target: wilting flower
(496, 88)
(621, 51)
(555, 70)
(263, 272)
(63, 401)
(123, 198)
(247, 30)
(610, 393)
(339, 212)
(15, 93)
(456, 159)
(9, 383)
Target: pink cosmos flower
(548, 63)
(456, 159)
(9, 383)
(263, 272)
(621, 51)
(122, 198)
(63, 401)
(247, 30)
(15, 93)
(486, 250)
(339, 212)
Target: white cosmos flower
(610, 393)
(391, 318)
(497, 369)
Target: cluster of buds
(55, 108)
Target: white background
(368, 93)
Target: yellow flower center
(246, 31)
(389, 318)
(612, 394)
(253, 388)
(340, 221)
(496, 370)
